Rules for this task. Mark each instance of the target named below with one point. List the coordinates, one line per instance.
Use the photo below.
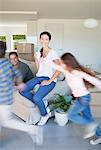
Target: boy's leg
(8, 121)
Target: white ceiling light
(19, 12)
(90, 23)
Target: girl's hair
(49, 36)
(2, 49)
(69, 60)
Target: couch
(27, 110)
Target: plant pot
(61, 118)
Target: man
(24, 68)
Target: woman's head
(2, 49)
(69, 61)
(45, 38)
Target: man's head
(13, 56)
(2, 49)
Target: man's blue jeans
(80, 112)
(37, 97)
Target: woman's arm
(36, 61)
(93, 80)
(57, 73)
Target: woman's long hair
(70, 60)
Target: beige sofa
(28, 111)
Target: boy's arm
(16, 75)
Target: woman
(45, 77)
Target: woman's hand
(45, 82)
(36, 60)
(35, 56)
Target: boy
(8, 74)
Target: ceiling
(56, 9)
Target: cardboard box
(25, 56)
(27, 48)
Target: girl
(79, 79)
(45, 77)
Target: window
(18, 39)
(3, 38)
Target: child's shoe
(36, 134)
(95, 141)
(90, 130)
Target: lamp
(19, 12)
(90, 23)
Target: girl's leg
(80, 113)
(40, 94)
(87, 113)
(98, 132)
(75, 114)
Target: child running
(97, 139)
(7, 74)
(79, 79)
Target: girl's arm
(93, 80)
(56, 66)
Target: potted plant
(61, 105)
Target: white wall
(100, 44)
(72, 36)
(67, 36)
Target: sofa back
(31, 65)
